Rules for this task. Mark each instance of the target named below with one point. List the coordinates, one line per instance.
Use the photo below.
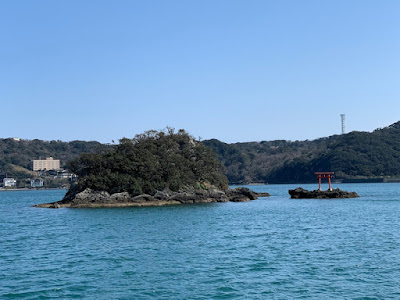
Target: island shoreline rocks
(89, 198)
(300, 193)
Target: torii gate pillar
(321, 175)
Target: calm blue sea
(271, 248)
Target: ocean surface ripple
(271, 248)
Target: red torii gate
(321, 175)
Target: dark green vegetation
(16, 157)
(149, 162)
(353, 156)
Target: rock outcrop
(90, 198)
(241, 194)
(300, 193)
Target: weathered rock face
(241, 194)
(90, 198)
(120, 197)
(199, 196)
(300, 193)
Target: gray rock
(120, 197)
(163, 195)
(241, 194)
(186, 197)
(89, 195)
(300, 193)
(143, 198)
(90, 198)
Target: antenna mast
(343, 116)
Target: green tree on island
(151, 161)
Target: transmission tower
(343, 117)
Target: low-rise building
(65, 174)
(46, 164)
(9, 182)
(37, 182)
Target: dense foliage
(22, 152)
(151, 161)
(355, 155)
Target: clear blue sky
(232, 70)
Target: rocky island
(90, 198)
(152, 169)
(300, 193)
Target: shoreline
(26, 189)
(91, 198)
(108, 205)
(233, 185)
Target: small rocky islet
(90, 198)
(300, 193)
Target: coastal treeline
(16, 155)
(356, 155)
(151, 161)
(352, 156)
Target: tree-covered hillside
(353, 155)
(18, 154)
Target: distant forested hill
(21, 153)
(354, 155)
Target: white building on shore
(46, 164)
(37, 182)
(9, 182)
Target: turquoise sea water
(271, 248)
